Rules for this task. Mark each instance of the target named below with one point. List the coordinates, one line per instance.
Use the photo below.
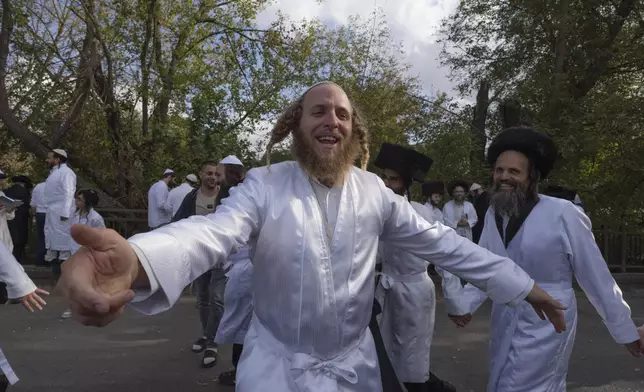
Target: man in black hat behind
(405, 291)
(552, 240)
(19, 225)
(434, 191)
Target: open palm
(97, 279)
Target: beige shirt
(204, 204)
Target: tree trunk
(479, 135)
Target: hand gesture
(97, 279)
(34, 300)
(546, 306)
(636, 348)
(460, 321)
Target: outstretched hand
(460, 321)
(546, 306)
(34, 300)
(636, 348)
(97, 279)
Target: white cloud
(414, 23)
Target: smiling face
(324, 142)
(512, 183)
(208, 176)
(435, 199)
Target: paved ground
(140, 354)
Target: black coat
(481, 204)
(19, 226)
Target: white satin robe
(238, 300)
(5, 234)
(554, 244)
(59, 191)
(407, 296)
(18, 285)
(313, 299)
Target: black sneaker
(209, 357)
(199, 345)
(436, 384)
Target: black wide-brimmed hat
(462, 183)
(560, 192)
(405, 161)
(536, 145)
(431, 187)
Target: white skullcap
(2, 175)
(231, 160)
(474, 187)
(168, 171)
(191, 178)
(60, 152)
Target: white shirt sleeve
(12, 273)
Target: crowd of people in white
(316, 230)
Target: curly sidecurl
(289, 121)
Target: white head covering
(2, 175)
(474, 187)
(168, 171)
(60, 152)
(191, 178)
(231, 160)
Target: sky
(414, 23)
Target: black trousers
(237, 351)
(388, 376)
(40, 238)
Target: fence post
(624, 244)
(605, 243)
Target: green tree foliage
(576, 68)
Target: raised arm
(176, 254)
(594, 277)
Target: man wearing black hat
(434, 191)
(564, 193)
(405, 292)
(19, 225)
(552, 240)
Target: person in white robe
(405, 291)
(314, 227)
(6, 214)
(433, 191)
(20, 287)
(177, 194)
(60, 188)
(458, 213)
(159, 212)
(552, 240)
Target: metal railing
(623, 249)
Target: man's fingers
(556, 304)
(119, 300)
(42, 292)
(25, 303)
(39, 300)
(88, 236)
(35, 303)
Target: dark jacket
(481, 205)
(188, 206)
(19, 226)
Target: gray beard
(508, 203)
